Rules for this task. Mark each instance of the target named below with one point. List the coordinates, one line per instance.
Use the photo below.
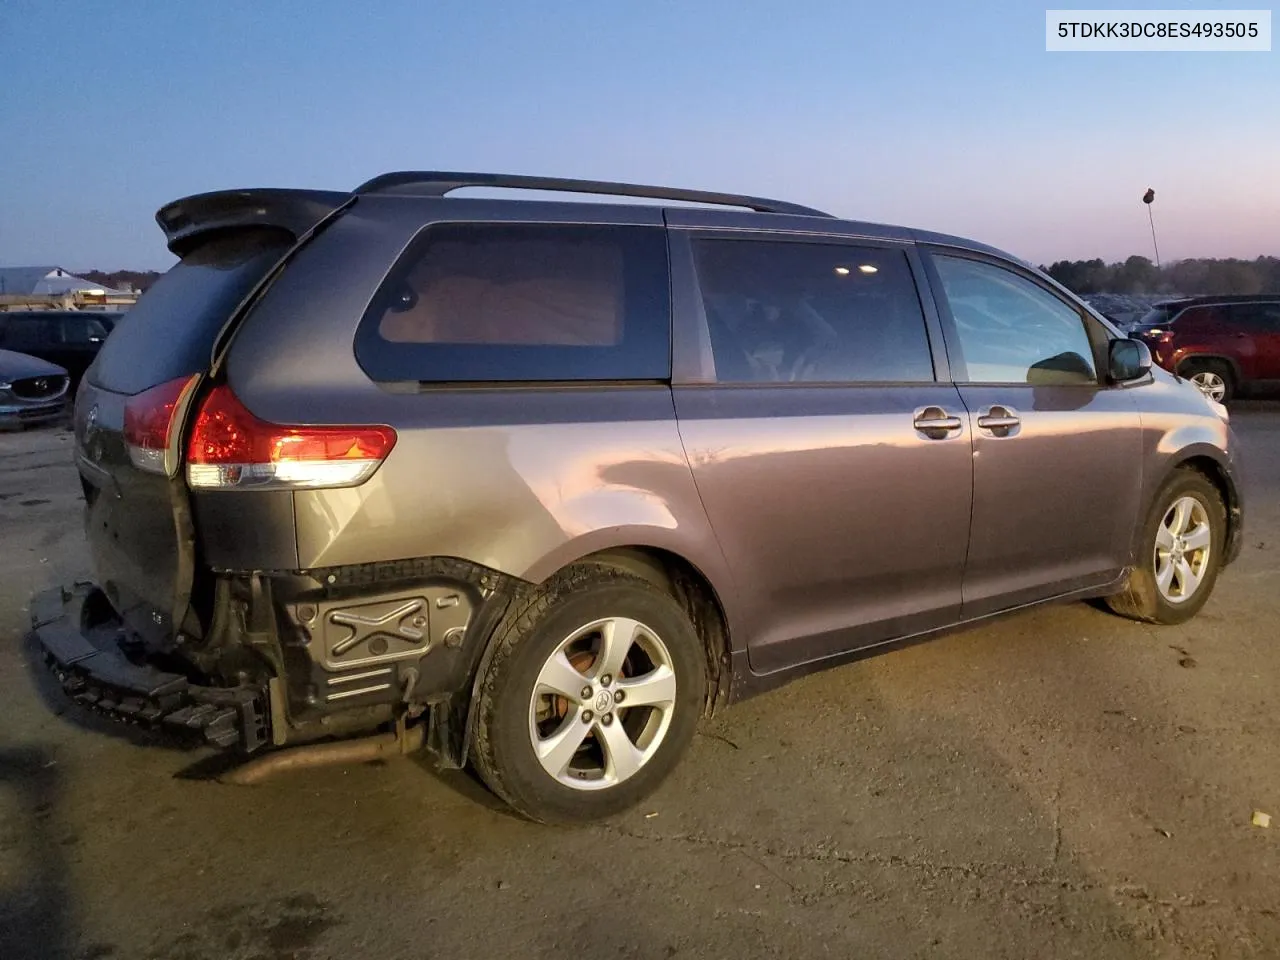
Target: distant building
(48, 281)
(54, 287)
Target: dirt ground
(1061, 784)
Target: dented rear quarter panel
(573, 471)
(521, 479)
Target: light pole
(1149, 198)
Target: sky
(931, 114)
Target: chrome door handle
(999, 420)
(936, 424)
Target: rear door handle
(936, 424)
(1001, 421)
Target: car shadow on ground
(850, 812)
(206, 764)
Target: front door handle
(936, 424)
(1001, 421)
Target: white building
(49, 282)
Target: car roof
(47, 313)
(299, 211)
(1225, 298)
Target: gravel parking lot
(1060, 784)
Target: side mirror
(1128, 360)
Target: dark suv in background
(539, 483)
(69, 338)
(1225, 345)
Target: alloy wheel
(1182, 550)
(602, 703)
(1211, 384)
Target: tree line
(120, 279)
(1138, 275)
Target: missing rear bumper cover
(92, 669)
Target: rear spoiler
(187, 221)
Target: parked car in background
(1224, 345)
(108, 318)
(69, 338)
(541, 482)
(1123, 310)
(32, 390)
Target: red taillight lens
(149, 422)
(230, 447)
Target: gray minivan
(536, 484)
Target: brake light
(149, 422)
(230, 448)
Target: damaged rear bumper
(83, 652)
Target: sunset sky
(930, 114)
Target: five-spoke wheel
(592, 695)
(1211, 385)
(1183, 541)
(602, 703)
(1183, 550)
(1214, 378)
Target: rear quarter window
(1156, 317)
(1202, 317)
(83, 330)
(482, 302)
(171, 330)
(1256, 317)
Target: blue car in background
(32, 391)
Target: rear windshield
(171, 330)
(1155, 317)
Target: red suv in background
(1222, 344)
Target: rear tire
(1215, 379)
(1180, 553)
(561, 733)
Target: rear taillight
(230, 448)
(150, 419)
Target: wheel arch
(1208, 462)
(674, 573)
(693, 589)
(1213, 470)
(1191, 358)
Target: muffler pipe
(361, 750)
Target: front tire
(591, 697)
(1182, 545)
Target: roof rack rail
(433, 183)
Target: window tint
(29, 333)
(83, 330)
(511, 302)
(1011, 330)
(1255, 317)
(1268, 317)
(1202, 317)
(1156, 317)
(784, 312)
